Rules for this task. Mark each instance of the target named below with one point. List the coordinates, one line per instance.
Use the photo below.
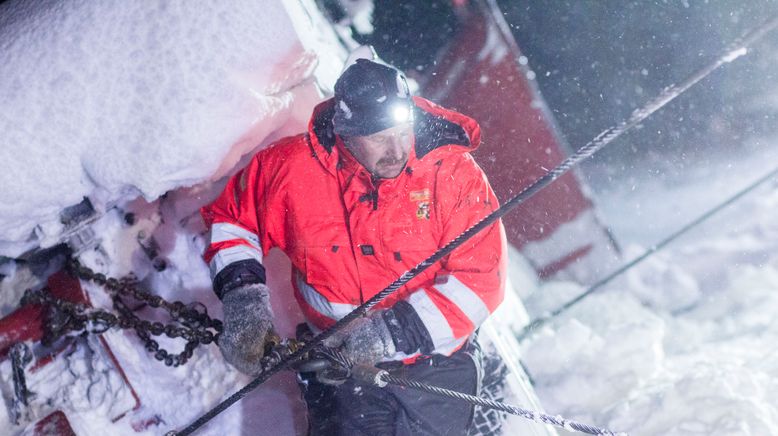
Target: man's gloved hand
(365, 340)
(247, 320)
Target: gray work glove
(247, 320)
(365, 340)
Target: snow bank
(681, 344)
(111, 101)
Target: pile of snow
(111, 102)
(681, 344)
(170, 398)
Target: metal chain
(188, 323)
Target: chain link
(190, 323)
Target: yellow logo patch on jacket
(423, 211)
(422, 199)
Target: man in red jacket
(379, 182)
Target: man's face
(385, 153)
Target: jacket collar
(436, 130)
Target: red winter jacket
(348, 237)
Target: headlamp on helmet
(370, 97)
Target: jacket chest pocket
(323, 254)
(407, 231)
(409, 221)
(318, 231)
(407, 244)
(325, 266)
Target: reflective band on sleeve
(468, 301)
(318, 302)
(437, 325)
(229, 255)
(222, 232)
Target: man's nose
(396, 149)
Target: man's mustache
(391, 161)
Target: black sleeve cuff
(242, 272)
(407, 329)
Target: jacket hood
(435, 127)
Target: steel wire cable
(541, 321)
(472, 399)
(734, 50)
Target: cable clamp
(369, 374)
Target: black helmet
(370, 97)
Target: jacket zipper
(374, 195)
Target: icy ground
(684, 343)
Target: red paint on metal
(119, 368)
(483, 74)
(558, 265)
(65, 286)
(23, 324)
(26, 325)
(481, 77)
(55, 424)
(144, 424)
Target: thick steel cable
(528, 414)
(735, 50)
(541, 321)
(374, 376)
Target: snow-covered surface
(584, 232)
(81, 379)
(644, 202)
(682, 344)
(112, 102)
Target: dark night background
(597, 61)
